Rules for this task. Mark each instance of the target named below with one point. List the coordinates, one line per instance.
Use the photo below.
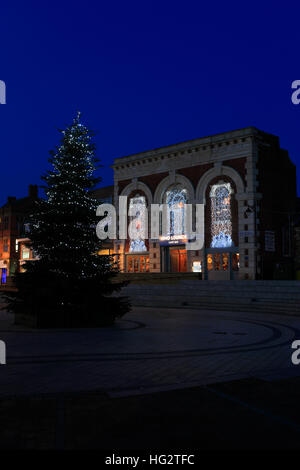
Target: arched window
(137, 206)
(175, 198)
(221, 224)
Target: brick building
(13, 226)
(248, 186)
(15, 247)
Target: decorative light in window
(176, 198)
(221, 226)
(26, 253)
(137, 205)
(197, 267)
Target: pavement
(149, 350)
(159, 379)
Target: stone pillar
(154, 257)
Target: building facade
(247, 184)
(14, 224)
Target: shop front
(221, 264)
(137, 263)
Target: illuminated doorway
(178, 260)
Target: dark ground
(246, 414)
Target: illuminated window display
(217, 261)
(197, 267)
(235, 262)
(221, 226)
(137, 204)
(137, 264)
(210, 264)
(175, 198)
(225, 260)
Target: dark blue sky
(144, 75)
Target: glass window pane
(142, 264)
(209, 262)
(25, 253)
(129, 264)
(217, 261)
(235, 262)
(225, 258)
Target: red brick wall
(152, 181)
(194, 173)
(122, 184)
(238, 164)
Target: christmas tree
(69, 284)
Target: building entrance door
(178, 260)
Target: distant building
(15, 247)
(248, 185)
(25, 252)
(14, 224)
(105, 195)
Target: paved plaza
(149, 350)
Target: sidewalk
(149, 350)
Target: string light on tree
(63, 234)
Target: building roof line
(245, 131)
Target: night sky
(144, 75)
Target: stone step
(174, 301)
(240, 301)
(292, 283)
(201, 287)
(262, 296)
(276, 296)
